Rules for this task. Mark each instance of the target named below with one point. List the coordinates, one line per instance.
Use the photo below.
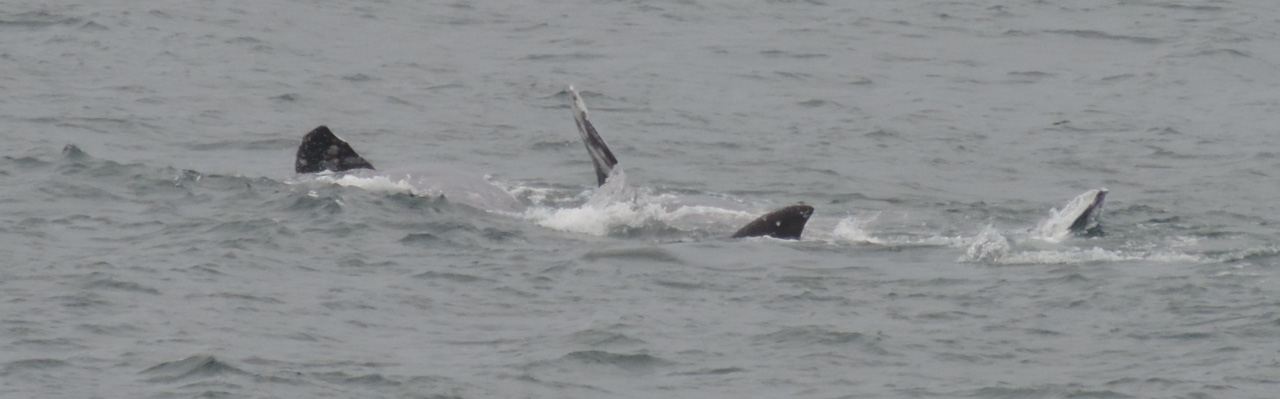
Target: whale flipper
(322, 150)
(1089, 219)
(786, 223)
(600, 154)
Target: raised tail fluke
(600, 154)
(322, 150)
(786, 223)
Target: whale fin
(1089, 220)
(786, 223)
(600, 154)
(322, 150)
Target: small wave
(371, 380)
(1048, 391)
(52, 344)
(454, 277)
(640, 362)
(818, 337)
(31, 364)
(564, 57)
(194, 367)
(102, 282)
(602, 339)
(809, 335)
(36, 20)
(1249, 254)
(251, 233)
(1196, 7)
(717, 371)
(457, 234)
(652, 254)
(83, 300)
(1093, 34)
(121, 330)
(314, 202)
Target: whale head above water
(1089, 217)
(322, 150)
(1082, 216)
(786, 223)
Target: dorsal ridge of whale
(322, 150)
(601, 157)
(786, 223)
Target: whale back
(322, 150)
(786, 223)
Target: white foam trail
(1094, 254)
(856, 229)
(375, 183)
(617, 206)
(990, 246)
(596, 220)
(481, 194)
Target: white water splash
(615, 205)
(988, 246)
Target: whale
(1081, 216)
(1086, 213)
(786, 223)
(322, 150)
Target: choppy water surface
(169, 250)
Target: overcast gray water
(159, 245)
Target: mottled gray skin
(322, 150)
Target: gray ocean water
(159, 245)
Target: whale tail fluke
(600, 154)
(322, 150)
(786, 223)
